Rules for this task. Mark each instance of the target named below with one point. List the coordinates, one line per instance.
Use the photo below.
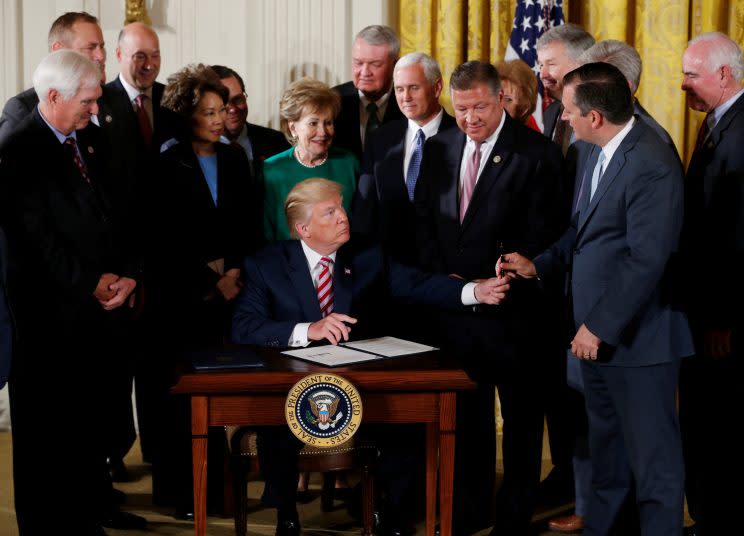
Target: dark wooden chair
(354, 454)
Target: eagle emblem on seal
(324, 410)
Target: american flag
(531, 20)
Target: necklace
(297, 156)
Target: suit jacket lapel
(393, 185)
(451, 200)
(497, 161)
(299, 274)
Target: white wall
(269, 42)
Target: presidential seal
(323, 410)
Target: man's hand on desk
(333, 327)
(491, 291)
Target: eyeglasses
(238, 101)
(141, 57)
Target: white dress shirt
(485, 150)
(430, 128)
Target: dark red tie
(143, 119)
(72, 147)
(325, 287)
(702, 133)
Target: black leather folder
(234, 358)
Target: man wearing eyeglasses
(258, 142)
(132, 122)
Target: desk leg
(447, 406)
(432, 454)
(199, 428)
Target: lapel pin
(497, 159)
(90, 149)
(347, 271)
(108, 118)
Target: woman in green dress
(308, 109)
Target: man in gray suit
(78, 31)
(629, 339)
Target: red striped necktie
(325, 287)
(71, 145)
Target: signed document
(389, 346)
(358, 351)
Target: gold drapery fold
(455, 31)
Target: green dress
(282, 172)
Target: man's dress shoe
(288, 527)
(690, 531)
(567, 524)
(117, 470)
(118, 519)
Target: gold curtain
(454, 31)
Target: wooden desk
(417, 389)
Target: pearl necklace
(297, 157)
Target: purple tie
(468, 181)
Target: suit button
(577, 251)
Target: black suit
(185, 309)
(6, 317)
(348, 126)
(512, 209)
(710, 392)
(265, 141)
(63, 234)
(15, 110)
(382, 209)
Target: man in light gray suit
(629, 339)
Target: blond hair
(306, 95)
(301, 199)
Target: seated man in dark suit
(281, 306)
(259, 143)
(366, 101)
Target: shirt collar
(719, 111)
(612, 145)
(430, 128)
(381, 102)
(133, 92)
(313, 257)
(61, 137)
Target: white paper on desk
(331, 356)
(389, 346)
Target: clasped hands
(585, 345)
(112, 291)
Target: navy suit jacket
(617, 250)
(381, 208)
(279, 292)
(714, 221)
(348, 122)
(15, 110)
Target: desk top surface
(419, 372)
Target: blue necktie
(415, 164)
(597, 175)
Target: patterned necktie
(468, 182)
(415, 164)
(325, 287)
(143, 119)
(703, 132)
(372, 120)
(72, 147)
(597, 174)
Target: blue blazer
(279, 291)
(617, 249)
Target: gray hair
(573, 36)
(378, 35)
(621, 55)
(725, 52)
(66, 71)
(428, 64)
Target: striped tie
(325, 287)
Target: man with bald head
(132, 123)
(77, 31)
(709, 394)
